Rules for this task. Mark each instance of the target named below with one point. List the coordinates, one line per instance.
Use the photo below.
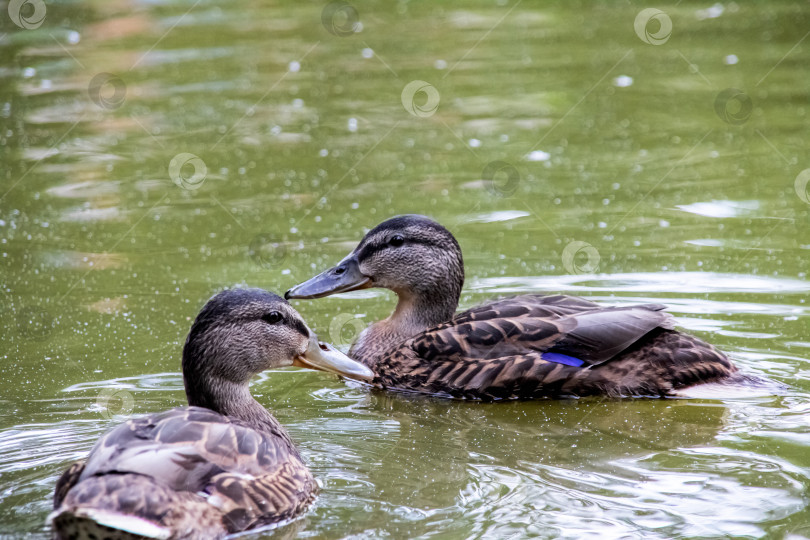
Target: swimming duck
(221, 465)
(523, 347)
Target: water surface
(567, 152)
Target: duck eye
(396, 240)
(274, 317)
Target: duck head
(241, 332)
(411, 255)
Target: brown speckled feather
(66, 482)
(523, 347)
(222, 465)
(226, 473)
(495, 351)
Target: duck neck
(416, 312)
(430, 301)
(433, 298)
(235, 401)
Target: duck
(523, 347)
(219, 466)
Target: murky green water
(625, 173)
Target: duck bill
(324, 357)
(344, 277)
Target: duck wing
(66, 482)
(531, 305)
(527, 324)
(601, 335)
(248, 476)
(520, 347)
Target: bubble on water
(538, 155)
(622, 81)
(711, 12)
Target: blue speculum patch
(562, 359)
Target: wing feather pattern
(186, 467)
(496, 351)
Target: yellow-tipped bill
(324, 357)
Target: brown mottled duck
(524, 347)
(221, 465)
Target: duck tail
(737, 386)
(87, 522)
(129, 507)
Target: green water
(626, 175)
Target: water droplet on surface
(538, 155)
(622, 81)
